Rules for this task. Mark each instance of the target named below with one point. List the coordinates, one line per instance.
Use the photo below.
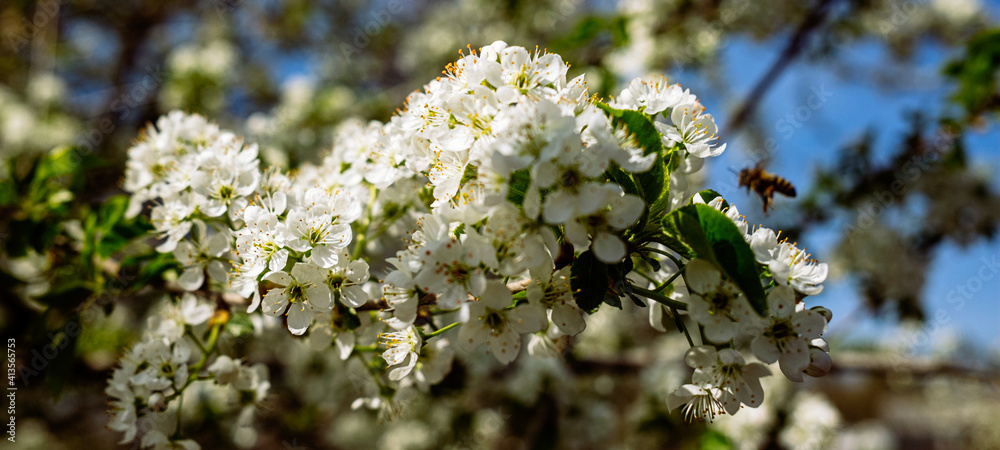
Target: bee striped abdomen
(765, 184)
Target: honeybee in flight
(765, 184)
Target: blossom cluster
(152, 376)
(502, 178)
(786, 333)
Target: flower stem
(669, 280)
(664, 253)
(658, 297)
(207, 350)
(359, 244)
(442, 330)
(177, 428)
(190, 333)
(680, 325)
(366, 348)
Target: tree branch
(795, 46)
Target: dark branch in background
(795, 45)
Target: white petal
(701, 276)
(756, 370)
(808, 324)
(185, 253)
(192, 278)
(299, 318)
(781, 301)
(527, 318)
(701, 357)
(254, 301)
(345, 344)
(275, 302)
(764, 242)
(532, 203)
(559, 207)
(309, 273)
(319, 297)
(794, 359)
(477, 284)
(217, 271)
(729, 402)
(751, 392)
(609, 248)
(496, 296)
(720, 330)
(569, 319)
(506, 345)
(472, 334)
(730, 356)
(280, 278)
(357, 271)
(353, 296)
(278, 260)
(398, 373)
(324, 256)
(655, 317)
(219, 243)
(340, 235)
(591, 197)
(765, 349)
(699, 309)
(395, 355)
(819, 363)
(626, 211)
(682, 395)
(577, 235)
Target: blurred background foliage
(80, 78)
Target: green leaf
(653, 181)
(121, 235)
(654, 184)
(589, 281)
(518, 186)
(469, 174)
(713, 440)
(616, 174)
(154, 269)
(709, 234)
(112, 212)
(638, 125)
(975, 74)
(613, 300)
(55, 172)
(58, 161)
(239, 325)
(684, 233)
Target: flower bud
(819, 362)
(821, 344)
(157, 402)
(826, 313)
